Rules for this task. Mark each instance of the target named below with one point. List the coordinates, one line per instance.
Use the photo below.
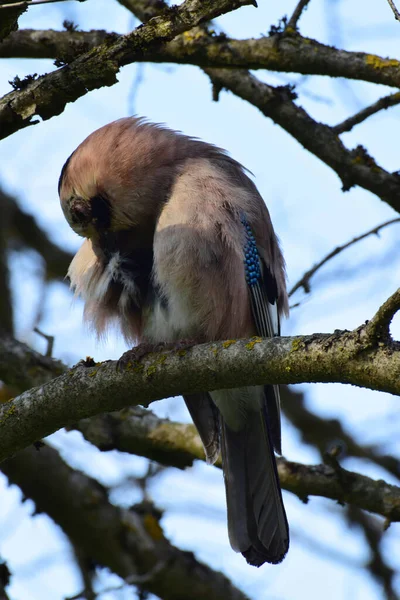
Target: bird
(179, 245)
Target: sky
(311, 216)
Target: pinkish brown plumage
(180, 245)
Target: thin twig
(292, 23)
(32, 3)
(304, 282)
(50, 341)
(381, 104)
(394, 9)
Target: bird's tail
(257, 522)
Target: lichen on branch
(354, 357)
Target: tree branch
(144, 9)
(140, 432)
(278, 52)
(21, 230)
(5, 576)
(324, 433)
(6, 307)
(374, 535)
(377, 329)
(9, 21)
(298, 11)
(137, 430)
(28, 3)
(130, 542)
(381, 104)
(359, 357)
(304, 282)
(48, 95)
(23, 368)
(394, 9)
(47, 43)
(354, 167)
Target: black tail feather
(257, 521)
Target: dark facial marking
(101, 212)
(63, 171)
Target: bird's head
(88, 217)
(118, 177)
(85, 203)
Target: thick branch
(48, 95)
(9, 21)
(23, 368)
(356, 357)
(354, 167)
(285, 53)
(140, 432)
(129, 542)
(32, 43)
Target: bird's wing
(199, 267)
(264, 305)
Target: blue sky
(311, 216)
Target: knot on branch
(378, 329)
(286, 92)
(360, 156)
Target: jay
(179, 245)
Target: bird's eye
(81, 212)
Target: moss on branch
(354, 357)
(357, 357)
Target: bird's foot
(136, 353)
